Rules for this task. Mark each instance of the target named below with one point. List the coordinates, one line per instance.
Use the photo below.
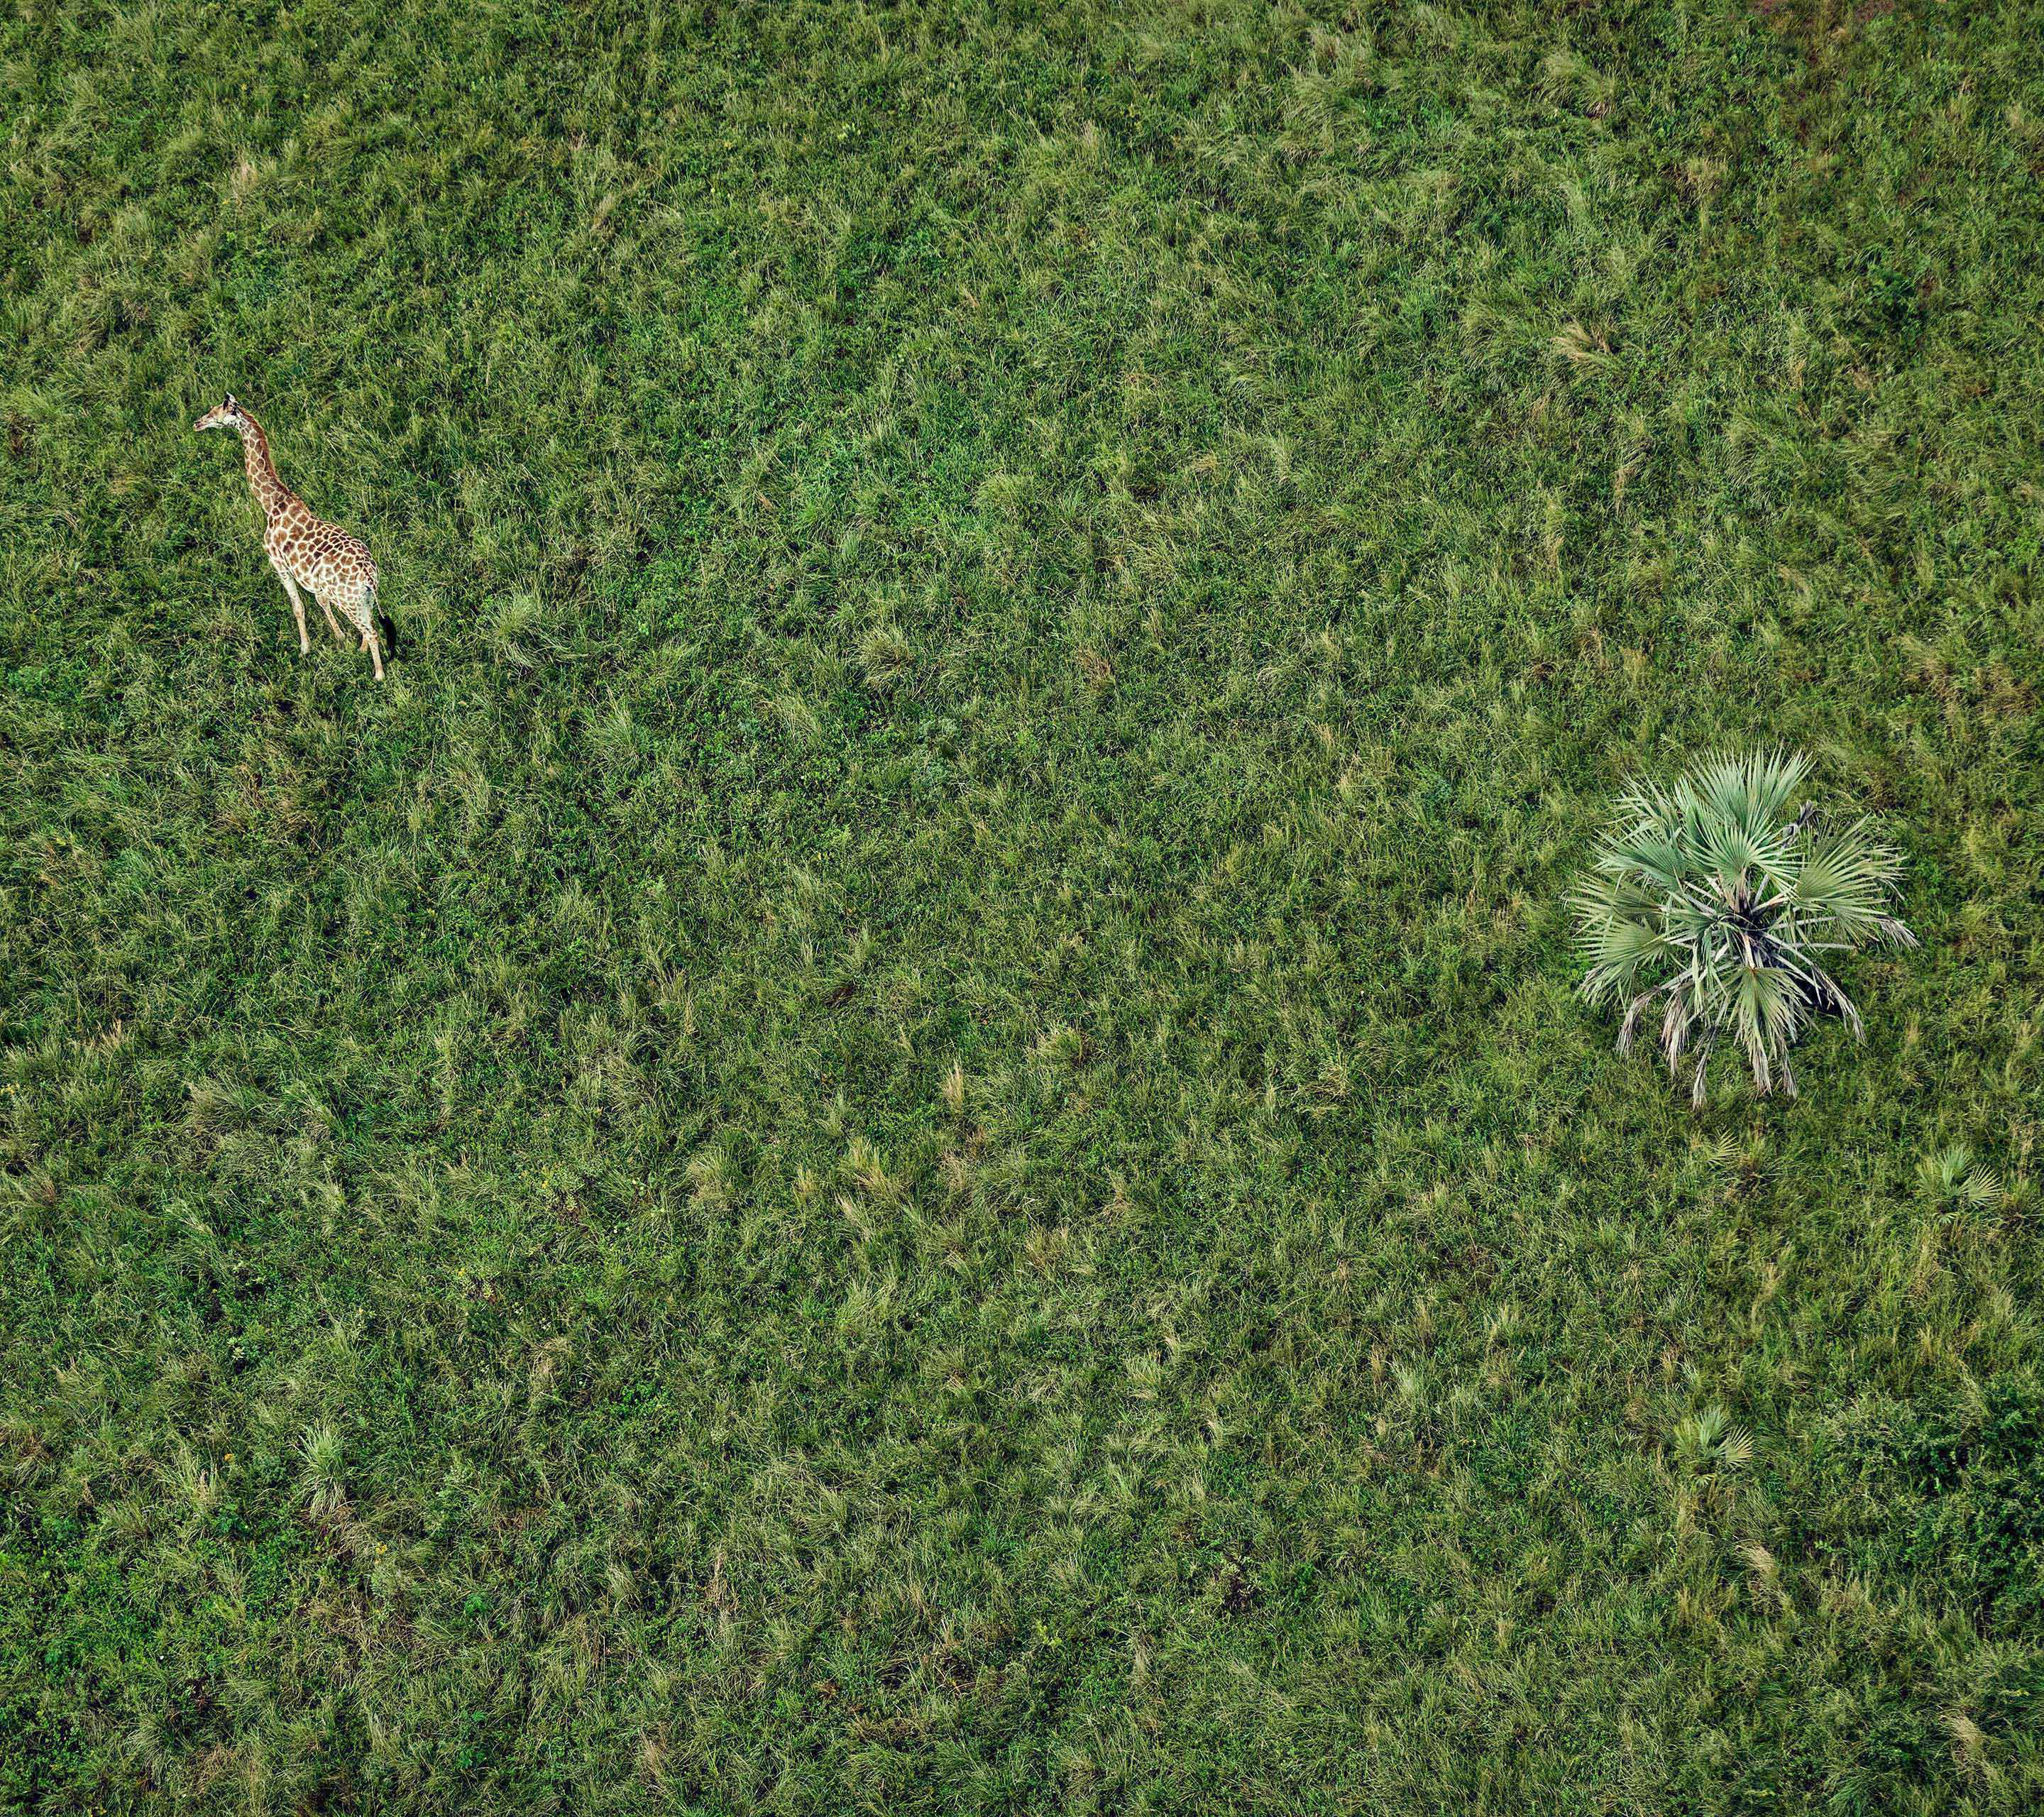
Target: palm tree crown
(1712, 901)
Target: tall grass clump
(1713, 905)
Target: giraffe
(336, 568)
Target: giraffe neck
(270, 492)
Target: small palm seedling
(1712, 1443)
(1954, 1182)
(1712, 904)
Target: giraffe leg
(298, 605)
(370, 642)
(339, 635)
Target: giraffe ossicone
(306, 551)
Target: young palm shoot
(1714, 910)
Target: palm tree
(1712, 902)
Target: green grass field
(905, 1128)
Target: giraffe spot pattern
(335, 566)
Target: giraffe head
(228, 415)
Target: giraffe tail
(386, 629)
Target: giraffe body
(335, 568)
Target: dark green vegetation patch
(905, 1128)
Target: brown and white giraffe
(336, 568)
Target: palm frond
(1749, 792)
(1846, 878)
